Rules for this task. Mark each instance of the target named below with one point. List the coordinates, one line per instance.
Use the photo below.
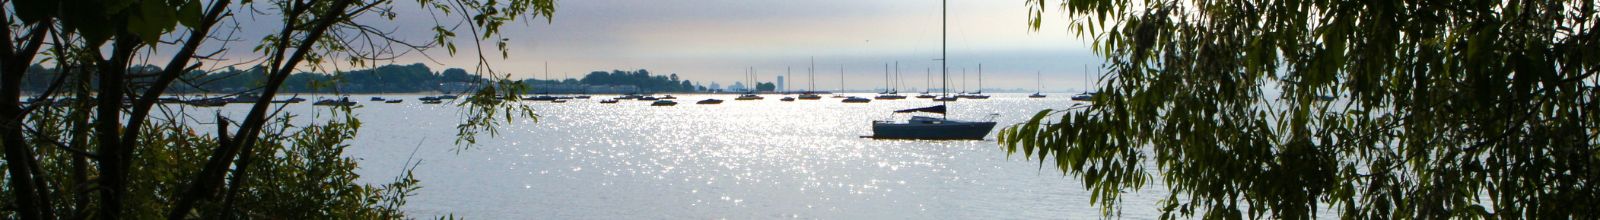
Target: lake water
(738, 160)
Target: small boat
(663, 103)
(923, 127)
(809, 96)
(976, 95)
(608, 101)
(709, 102)
(749, 96)
(581, 97)
(946, 98)
(540, 98)
(889, 96)
(430, 100)
(648, 98)
(628, 96)
(1083, 96)
(394, 101)
(377, 99)
(207, 102)
(448, 97)
(926, 96)
(668, 97)
(979, 94)
(243, 98)
(291, 100)
(787, 99)
(854, 99)
(335, 102)
(1039, 81)
(558, 101)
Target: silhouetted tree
(1376, 109)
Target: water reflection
(739, 159)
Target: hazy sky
(716, 40)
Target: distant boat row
(557, 99)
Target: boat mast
(885, 78)
(813, 73)
(896, 76)
(944, 68)
(980, 78)
(547, 76)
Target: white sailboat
(750, 93)
(979, 94)
(1039, 83)
(890, 94)
(927, 84)
(811, 90)
(1086, 95)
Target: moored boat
(1086, 96)
(345, 101)
(749, 96)
(940, 128)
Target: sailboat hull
(945, 131)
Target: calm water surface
(738, 160)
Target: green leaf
(189, 15)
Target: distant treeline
(385, 79)
(637, 81)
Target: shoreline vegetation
(423, 80)
(392, 78)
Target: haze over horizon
(717, 40)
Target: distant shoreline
(285, 95)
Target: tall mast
(944, 68)
(813, 73)
(897, 76)
(980, 78)
(927, 82)
(841, 78)
(788, 72)
(885, 78)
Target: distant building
(715, 86)
(737, 87)
(780, 83)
